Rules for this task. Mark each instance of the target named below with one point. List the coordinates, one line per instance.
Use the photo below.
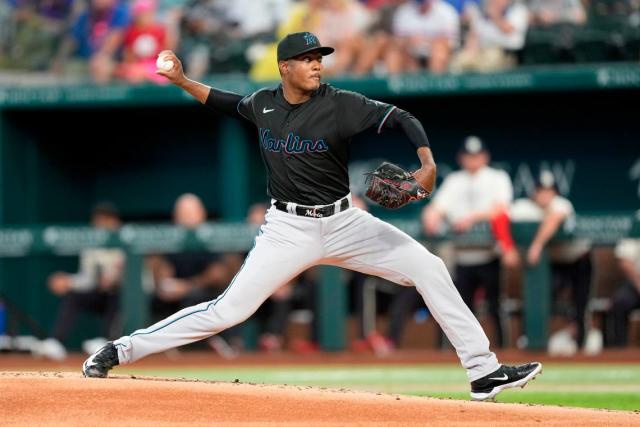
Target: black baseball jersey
(305, 147)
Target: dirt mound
(60, 398)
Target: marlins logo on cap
(295, 44)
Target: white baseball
(165, 65)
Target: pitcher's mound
(31, 398)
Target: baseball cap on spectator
(546, 180)
(295, 44)
(472, 145)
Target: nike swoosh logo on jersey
(500, 379)
(265, 111)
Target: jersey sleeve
(231, 104)
(244, 107)
(357, 113)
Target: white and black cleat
(100, 363)
(488, 387)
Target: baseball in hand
(164, 65)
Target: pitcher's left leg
(364, 243)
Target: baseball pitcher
(304, 129)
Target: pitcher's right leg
(375, 247)
(287, 246)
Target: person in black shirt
(304, 131)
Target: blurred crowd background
(119, 39)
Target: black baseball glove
(393, 187)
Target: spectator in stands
(94, 288)
(552, 12)
(477, 193)
(96, 39)
(378, 38)
(257, 21)
(144, 39)
(627, 296)
(461, 5)
(570, 261)
(6, 16)
(496, 33)
(30, 32)
(304, 15)
(342, 25)
(217, 35)
(425, 34)
(202, 33)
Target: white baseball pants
(287, 245)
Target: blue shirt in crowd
(92, 28)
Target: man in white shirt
(495, 33)
(94, 288)
(425, 31)
(552, 12)
(477, 193)
(571, 260)
(627, 296)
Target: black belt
(314, 212)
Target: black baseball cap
(472, 145)
(295, 44)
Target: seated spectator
(263, 20)
(189, 278)
(378, 38)
(144, 39)
(627, 296)
(461, 5)
(94, 288)
(302, 16)
(342, 25)
(95, 39)
(169, 14)
(30, 32)
(552, 12)
(570, 261)
(495, 34)
(425, 33)
(216, 36)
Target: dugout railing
(140, 240)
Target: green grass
(625, 401)
(589, 386)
